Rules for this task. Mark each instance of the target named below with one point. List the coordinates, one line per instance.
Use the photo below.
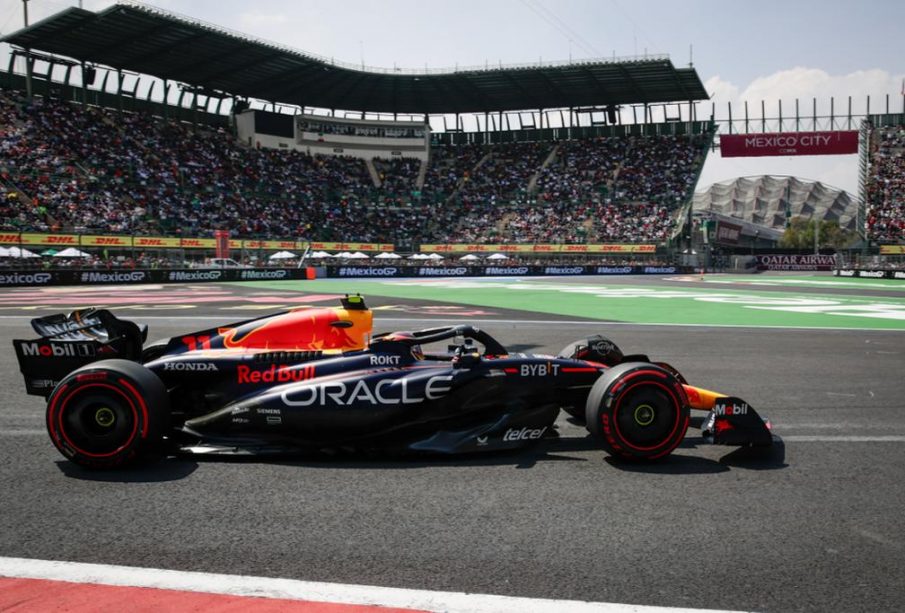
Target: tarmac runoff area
(815, 526)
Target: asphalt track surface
(816, 526)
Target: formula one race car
(311, 380)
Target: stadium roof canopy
(764, 200)
(146, 40)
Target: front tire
(638, 410)
(107, 414)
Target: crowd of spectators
(449, 168)
(398, 180)
(601, 190)
(66, 168)
(886, 185)
(660, 169)
(92, 171)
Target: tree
(800, 235)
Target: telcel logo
(525, 434)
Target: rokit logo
(59, 350)
(191, 366)
(385, 360)
(16, 278)
(524, 434)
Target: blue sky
(742, 50)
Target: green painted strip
(672, 303)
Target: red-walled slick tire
(638, 410)
(108, 413)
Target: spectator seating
(886, 185)
(66, 168)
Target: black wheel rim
(98, 423)
(646, 417)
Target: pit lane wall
(46, 278)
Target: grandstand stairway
(532, 183)
(372, 170)
(422, 175)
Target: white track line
(806, 438)
(264, 587)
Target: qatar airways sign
(788, 143)
(795, 262)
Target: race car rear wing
(67, 342)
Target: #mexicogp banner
(539, 248)
(788, 143)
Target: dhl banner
(892, 249)
(539, 248)
(149, 242)
(49, 239)
(106, 241)
(162, 242)
(198, 243)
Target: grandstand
(162, 178)
(883, 178)
(79, 160)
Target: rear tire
(107, 414)
(638, 411)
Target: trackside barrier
(16, 278)
(20, 278)
(334, 272)
(870, 273)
